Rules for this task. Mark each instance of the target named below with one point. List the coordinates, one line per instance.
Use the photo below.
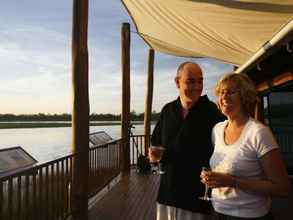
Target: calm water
(47, 144)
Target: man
(184, 130)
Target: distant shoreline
(7, 125)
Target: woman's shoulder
(257, 129)
(220, 125)
(255, 125)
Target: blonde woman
(246, 165)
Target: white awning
(228, 30)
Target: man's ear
(177, 82)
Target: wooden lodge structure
(97, 182)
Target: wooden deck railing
(44, 191)
(136, 148)
(104, 165)
(41, 192)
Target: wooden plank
(80, 115)
(149, 100)
(125, 116)
(276, 81)
(1, 199)
(133, 198)
(10, 198)
(259, 109)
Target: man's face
(190, 83)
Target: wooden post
(259, 109)
(80, 115)
(148, 102)
(125, 117)
(269, 110)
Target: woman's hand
(215, 179)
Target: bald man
(184, 130)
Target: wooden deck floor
(133, 198)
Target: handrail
(36, 167)
(23, 172)
(44, 191)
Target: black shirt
(188, 148)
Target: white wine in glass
(206, 196)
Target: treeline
(277, 111)
(67, 117)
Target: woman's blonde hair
(246, 88)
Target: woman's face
(230, 100)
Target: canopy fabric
(227, 30)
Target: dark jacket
(188, 148)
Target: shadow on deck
(134, 196)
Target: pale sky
(35, 59)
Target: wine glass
(155, 158)
(206, 196)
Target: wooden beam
(125, 117)
(276, 81)
(269, 110)
(80, 115)
(259, 109)
(149, 99)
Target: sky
(35, 60)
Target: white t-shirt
(242, 159)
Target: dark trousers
(219, 216)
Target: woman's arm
(277, 177)
(276, 183)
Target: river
(46, 144)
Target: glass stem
(206, 191)
(154, 168)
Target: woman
(246, 164)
